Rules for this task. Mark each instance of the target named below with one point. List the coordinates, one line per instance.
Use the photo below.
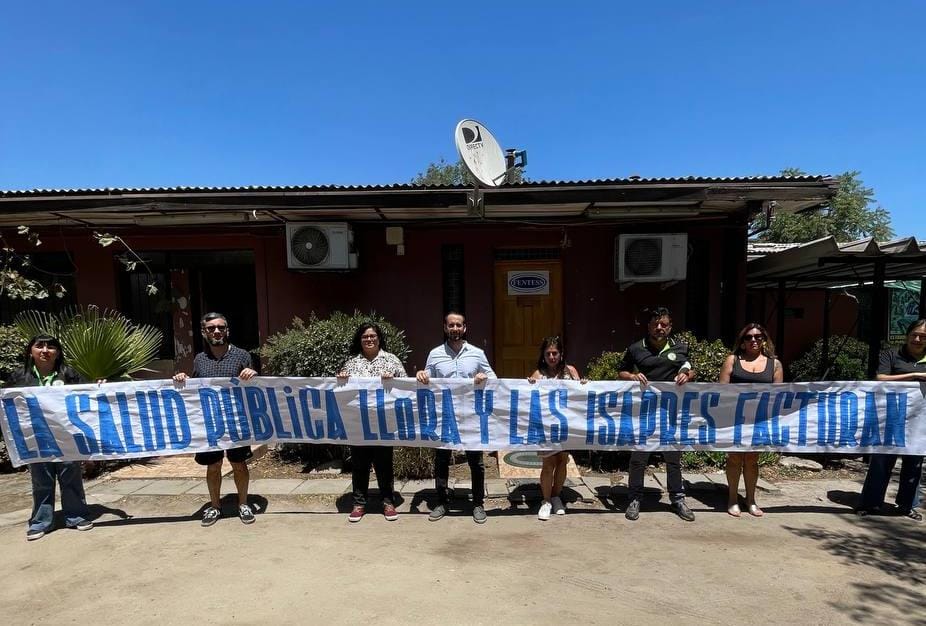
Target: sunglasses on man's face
(212, 329)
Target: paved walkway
(587, 491)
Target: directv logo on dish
(472, 136)
(528, 283)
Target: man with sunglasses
(221, 359)
(657, 357)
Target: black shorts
(235, 455)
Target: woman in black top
(45, 366)
(906, 363)
(753, 361)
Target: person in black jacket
(45, 366)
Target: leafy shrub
(319, 347)
(848, 360)
(605, 366)
(717, 460)
(706, 357)
(12, 345)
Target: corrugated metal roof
(693, 180)
(825, 262)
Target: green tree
(850, 215)
(444, 173)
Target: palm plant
(100, 345)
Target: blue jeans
(73, 500)
(879, 475)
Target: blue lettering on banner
(668, 418)
(535, 434)
(109, 438)
(257, 409)
(178, 424)
(368, 434)
(336, 428)
(314, 429)
(125, 419)
(384, 432)
(484, 407)
(760, 433)
(607, 433)
(625, 430)
(513, 437)
(781, 435)
(149, 413)
(293, 412)
(649, 405)
(739, 416)
(848, 413)
(278, 426)
(895, 424)
(12, 420)
(707, 432)
(871, 429)
(684, 438)
(449, 432)
(559, 431)
(804, 397)
(75, 404)
(405, 418)
(427, 415)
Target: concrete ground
(810, 560)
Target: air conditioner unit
(320, 246)
(650, 258)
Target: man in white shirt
(456, 358)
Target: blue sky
(105, 94)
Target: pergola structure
(826, 264)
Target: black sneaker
(479, 514)
(681, 509)
(437, 512)
(867, 512)
(34, 533)
(633, 510)
(210, 516)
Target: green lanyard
(44, 381)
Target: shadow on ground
(893, 545)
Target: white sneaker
(558, 506)
(545, 509)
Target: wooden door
(525, 312)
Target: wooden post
(879, 306)
(825, 352)
(780, 334)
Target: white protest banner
(157, 418)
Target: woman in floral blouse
(370, 360)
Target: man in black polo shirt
(657, 357)
(222, 360)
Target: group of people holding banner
(655, 357)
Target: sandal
(755, 511)
(734, 510)
(915, 515)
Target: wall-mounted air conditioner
(650, 258)
(320, 246)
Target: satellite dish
(480, 153)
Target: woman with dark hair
(551, 364)
(906, 363)
(753, 361)
(45, 366)
(370, 360)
